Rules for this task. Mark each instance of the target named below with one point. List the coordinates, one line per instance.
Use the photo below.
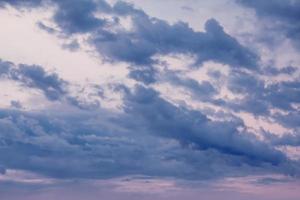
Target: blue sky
(149, 100)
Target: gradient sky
(145, 99)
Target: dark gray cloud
(149, 37)
(287, 140)
(163, 139)
(203, 91)
(72, 16)
(34, 76)
(287, 10)
(284, 15)
(284, 94)
(16, 104)
(144, 74)
(46, 28)
(291, 139)
(53, 87)
(78, 16)
(22, 3)
(82, 103)
(72, 46)
(289, 120)
(258, 96)
(194, 128)
(273, 71)
(153, 137)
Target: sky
(140, 99)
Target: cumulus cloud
(204, 90)
(285, 13)
(194, 128)
(50, 84)
(78, 17)
(34, 76)
(149, 37)
(152, 138)
(259, 96)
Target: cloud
(151, 37)
(34, 76)
(148, 135)
(193, 128)
(204, 90)
(147, 38)
(284, 13)
(151, 137)
(187, 8)
(143, 74)
(78, 16)
(285, 140)
(21, 3)
(50, 84)
(72, 17)
(273, 71)
(16, 104)
(46, 28)
(72, 46)
(291, 119)
(257, 96)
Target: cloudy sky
(149, 99)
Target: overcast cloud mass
(106, 99)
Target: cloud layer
(189, 122)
